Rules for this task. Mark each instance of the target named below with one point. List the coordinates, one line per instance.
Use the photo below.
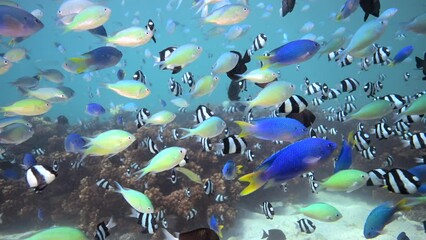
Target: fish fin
(265, 234)
(391, 64)
(239, 167)
(245, 128)
(419, 62)
(80, 62)
(134, 213)
(366, 16)
(167, 235)
(351, 139)
(189, 134)
(255, 182)
(220, 231)
(339, 17)
(142, 173)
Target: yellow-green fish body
(15, 54)
(161, 118)
(209, 128)
(205, 85)
(418, 107)
(131, 37)
(55, 233)
(5, 65)
(89, 18)
(345, 180)
(181, 57)
(108, 143)
(136, 199)
(129, 88)
(46, 93)
(27, 107)
(374, 110)
(273, 94)
(322, 212)
(166, 159)
(260, 75)
(228, 15)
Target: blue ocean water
(266, 19)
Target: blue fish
(420, 172)
(214, 225)
(291, 161)
(74, 143)
(349, 8)
(230, 170)
(402, 55)
(382, 215)
(40, 214)
(94, 109)
(28, 160)
(344, 161)
(120, 120)
(130, 107)
(10, 174)
(293, 52)
(273, 128)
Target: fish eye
(105, 9)
(330, 145)
(130, 138)
(245, 9)
(147, 33)
(6, 62)
(59, 12)
(199, 48)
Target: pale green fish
(333, 45)
(273, 94)
(366, 52)
(72, 7)
(190, 174)
(5, 65)
(129, 88)
(374, 110)
(260, 75)
(209, 128)
(131, 37)
(418, 107)
(62, 233)
(15, 54)
(137, 200)
(7, 121)
(347, 180)
(206, 85)
(52, 75)
(46, 93)
(180, 57)
(27, 107)
(225, 63)
(365, 36)
(15, 133)
(108, 143)
(322, 212)
(165, 160)
(161, 118)
(417, 24)
(228, 14)
(89, 18)
(180, 102)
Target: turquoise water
(19, 206)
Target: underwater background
(74, 198)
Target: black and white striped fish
(208, 187)
(332, 131)
(163, 55)
(365, 64)
(324, 91)
(232, 144)
(349, 85)
(173, 176)
(381, 55)
(312, 133)
(362, 140)
(382, 76)
(401, 181)
(321, 129)
(317, 101)
(176, 135)
(369, 153)
(330, 118)
(406, 76)
(376, 177)
(206, 144)
(388, 162)
(37, 151)
(312, 88)
(226, 132)
(231, 109)
(312, 182)
(191, 214)
(360, 126)
(160, 215)
(39, 176)
(404, 135)
(341, 116)
(370, 89)
(188, 78)
(416, 141)
(221, 198)
(348, 60)
(350, 98)
(187, 192)
(249, 155)
(258, 43)
(378, 86)
(420, 160)
(142, 115)
(146, 220)
(295, 104)
(333, 93)
(382, 131)
(249, 118)
(102, 229)
(150, 144)
(103, 183)
(175, 87)
(402, 127)
(396, 99)
(243, 86)
(306, 225)
(349, 107)
(278, 142)
(202, 113)
(151, 27)
(268, 210)
(334, 54)
(139, 76)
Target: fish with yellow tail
(289, 162)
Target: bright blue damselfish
(95, 109)
(344, 161)
(74, 143)
(229, 170)
(291, 161)
(28, 160)
(402, 55)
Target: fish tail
(119, 187)
(255, 182)
(141, 173)
(408, 203)
(391, 64)
(351, 139)
(167, 235)
(189, 133)
(80, 62)
(245, 128)
(219, 231)
(239, 167)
